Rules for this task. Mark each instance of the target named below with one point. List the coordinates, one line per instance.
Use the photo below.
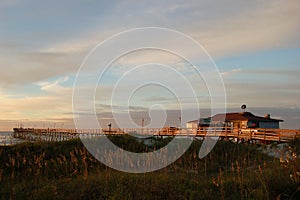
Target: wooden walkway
(262, 135)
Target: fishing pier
(246, 135)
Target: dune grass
(66, 170)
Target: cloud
(262, 93)
(55, 86)
(222, 30)
(51, 100)
(82, 43)
(263, 87)
(157, 99)
(290, 73)
(34, 107)
(42, 48)
(106, 108)
(273, 24)
(233, 71)
(27, 68)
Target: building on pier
(237, 121)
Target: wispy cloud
(233, 71)
(55, 86)
(273, 24)
(157, 99)
(50, 101)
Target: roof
(243, 116)
(194, 121)
(201, 120)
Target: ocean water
(6, 139)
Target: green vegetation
(65, 170)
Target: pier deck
(262, 135)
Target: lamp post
(109, 128)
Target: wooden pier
(261, 135)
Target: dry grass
(65, 170)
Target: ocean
(6, 139)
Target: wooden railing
(280, 135)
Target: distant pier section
(245, 135)
(48, 134)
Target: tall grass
(66, 170)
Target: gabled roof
(242, 116)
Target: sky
(254, 44)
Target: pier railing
(279, 135)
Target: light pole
(109, 128)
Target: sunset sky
(254, 44)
